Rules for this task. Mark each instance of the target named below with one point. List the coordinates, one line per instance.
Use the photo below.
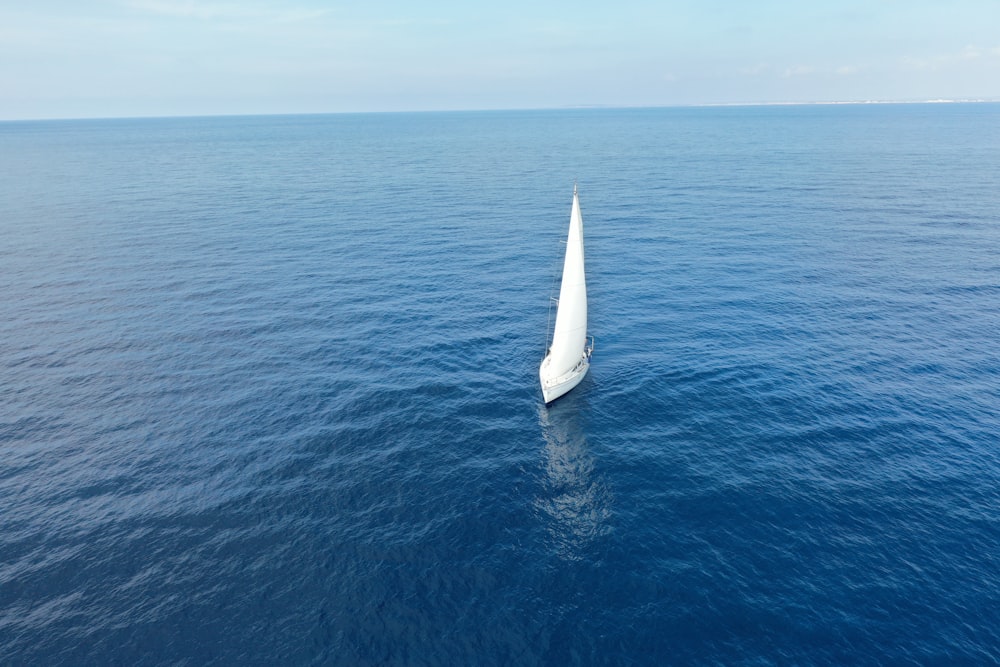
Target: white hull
(556, 387)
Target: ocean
(269, 391)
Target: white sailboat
(568, 358)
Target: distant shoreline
(787, 104)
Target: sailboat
(568, 358)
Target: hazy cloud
(798, 70)
(207, 11)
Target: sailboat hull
(553, 388)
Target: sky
(123, 58)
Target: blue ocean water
(268, 389)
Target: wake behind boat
(568, 358)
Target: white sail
(568, 357)
(570, 335)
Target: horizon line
(569, 107)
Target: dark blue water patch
(270, 389)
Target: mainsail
(568, 357)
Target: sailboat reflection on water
(575, 501)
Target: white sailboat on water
(568, 358)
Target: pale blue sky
(87, 58)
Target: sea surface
(269, 392)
